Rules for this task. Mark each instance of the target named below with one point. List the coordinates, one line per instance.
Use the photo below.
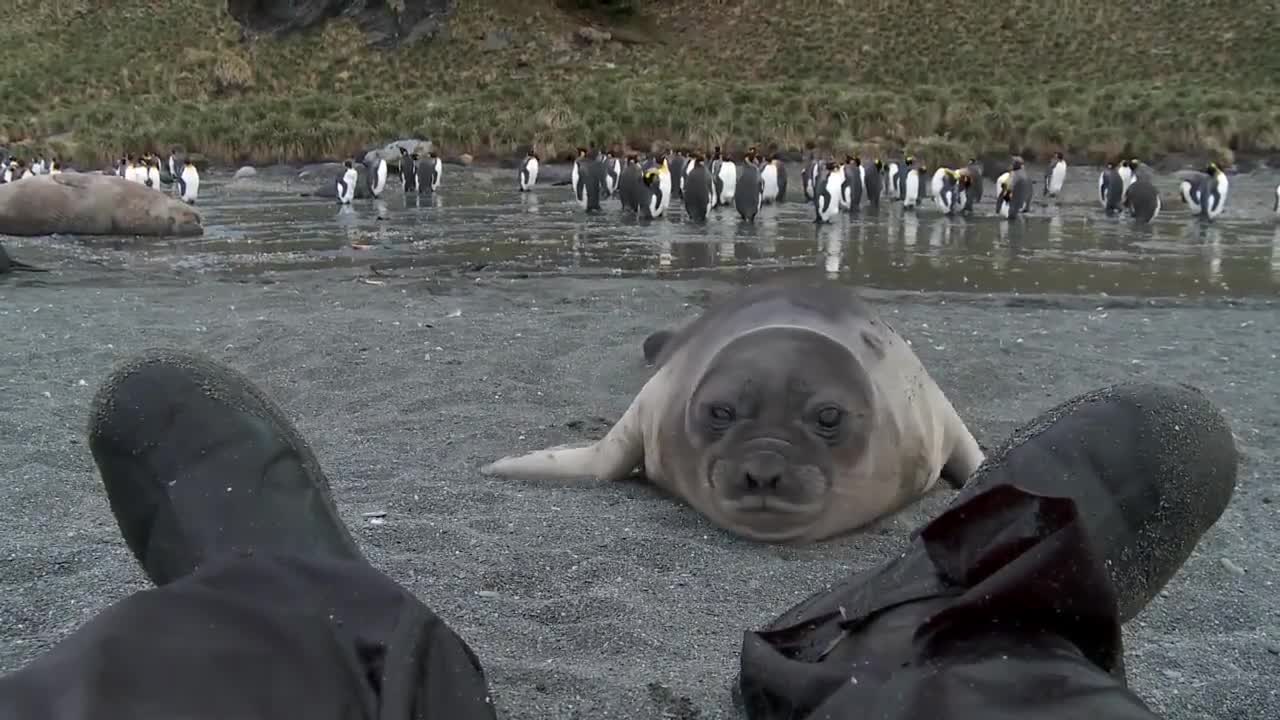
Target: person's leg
(1009, 604)
(265, 607)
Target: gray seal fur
(73, 203)
(782, 414)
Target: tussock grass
(1094, 80)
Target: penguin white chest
(728, 181)
(911, 190)
(1058, 178)
(379, 178)
(190, 183)
(829, 196)
(769, 184)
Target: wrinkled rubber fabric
(261, 638)
(1010, 603)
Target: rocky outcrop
(387, 23)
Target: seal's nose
(761, 474)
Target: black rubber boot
(1010, 603)
(199, 464)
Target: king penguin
(911, 185)
(612, 173)
(728, 177)
(891, 181)
(1005, 207)
(872, 182)
(588, 177)
(943, 190)
(974, 170)
(826, 201)
(435, 167)
(409, 170)
(1142, 200)
(676, 163)
(1055, 175)
(631, 184)
(697, 190)
(346, 183)
(851, 189)
(377, 176)
(809, 176)
(1213, 192)
(747, 194)
(529, 172)
(664, 183)
(153, 173)
(655, 200)
(769, 181)
(1111, 189)
(189, 182)
(1276, 207)
(904, 174)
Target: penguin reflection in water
(346, 183)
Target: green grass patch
(92, 81)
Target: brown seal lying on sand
(85, 204)
(784, 414)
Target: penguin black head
(1058, 156)
(347, 164)
(414, 156)
(432, 155)
(908, 162)
(582, 152)
(403, 151)
(1212, 169)
(1017, 164)
(1134, 163)
(857, 160)
(973, 161)
(1124, 163)
(650, 176)
(848, 159)
(831, 166)
(1111, 165)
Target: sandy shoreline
(600, 601)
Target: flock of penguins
(178, 171)
(707, 181)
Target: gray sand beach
(599, 601)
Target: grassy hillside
(1093, 78)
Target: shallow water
(479, 221)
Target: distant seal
(784, 414)
(83, 204)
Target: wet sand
(598, 601)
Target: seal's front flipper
(612, 457)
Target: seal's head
(774, 418)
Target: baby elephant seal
(784, 414)
(82, 204)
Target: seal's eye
(720, 414)
(829, 418)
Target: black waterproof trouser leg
(1009, 604)
(257, 638)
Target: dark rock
(384, 25)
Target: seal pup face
(776, 413)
